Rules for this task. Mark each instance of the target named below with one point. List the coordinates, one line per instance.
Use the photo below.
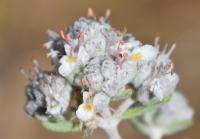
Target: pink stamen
(125, 30)
(119, 49)
(81, 37)
(90, 12)
(62, 34)
(107, 14)
(101, 19)
(125, 55)
(122, 42)
(82, 82)
(68, 38)
(119, 62)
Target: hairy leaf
(139, 110)
(178, 126)
(58, 124)
(61, 126)
(125, 94)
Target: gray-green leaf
(139, 110)
(58, 124)
(125, 94)
(178, 126)
(61, 126)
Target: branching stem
(109, 122)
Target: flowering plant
(96, 66)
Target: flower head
(85, 111)
(102, 65)
(68, 65)
(146, 52)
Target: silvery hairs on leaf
(46, 93)
(57, 95)
(101, 74)
(161, 78)
(36, 103)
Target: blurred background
(23, 25)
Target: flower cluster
(94, 66)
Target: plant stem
(156, 137)
(109, 122)
(113, 133)
(124, 107)
(156, 134)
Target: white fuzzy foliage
(176, 110)
(57, 95)
(166, 119)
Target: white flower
(68, 65)
(77, 51)
(144, 53)
(85, 111)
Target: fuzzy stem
(124, 107)
(156, 134)
(109, 122)
(113, 133)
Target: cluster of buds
(94, 66)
